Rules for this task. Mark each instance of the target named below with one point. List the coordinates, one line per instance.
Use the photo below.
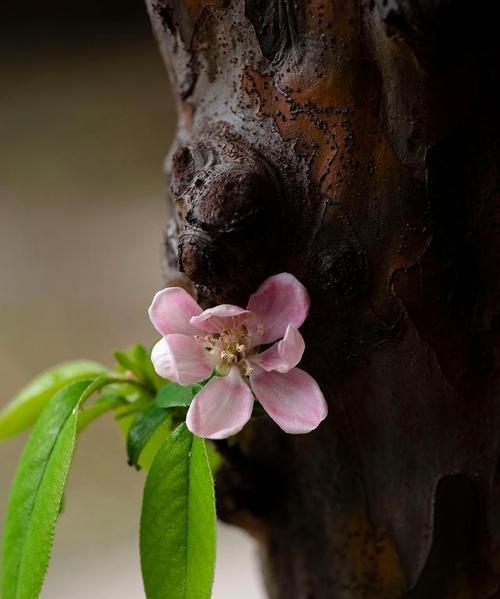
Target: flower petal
(171, 310)
(284, 355)
(293, 400)
(221, 408)
(219, 318)
(280, 300)
(181, 359)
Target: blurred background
(85, 121)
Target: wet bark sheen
(354, 144)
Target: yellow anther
(228, 357)
(249, 370)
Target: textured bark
(354, 144)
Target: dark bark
(354, 144)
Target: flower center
(231, 348)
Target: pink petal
(284, 355)
(171, 310)
(280, 300)
(223, 317)
(221, 408)
(181, 359)
(293, 400)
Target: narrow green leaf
(142, 429)
(126, 361)
(103, 404)
(173, 395)
(143, 357)
(214, 458)
(37, 491)
(137, 360)
(152, 447)
(125, 415)
(28, 404)
(178, 521)
(132, 408)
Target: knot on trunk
(229, 204)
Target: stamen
(228, 357)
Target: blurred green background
(85, 121)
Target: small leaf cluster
(178, 519)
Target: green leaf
(178, 521)
(28, 404)
(131, 391)
(137, 360)
(36, 494)
(125, 415)
(143, 356)
(142, 429)
(103, 404)
(214, 458)
(126, 361)
(173, 395)
(152, 447)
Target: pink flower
(229, 340)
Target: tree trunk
(353, 144)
